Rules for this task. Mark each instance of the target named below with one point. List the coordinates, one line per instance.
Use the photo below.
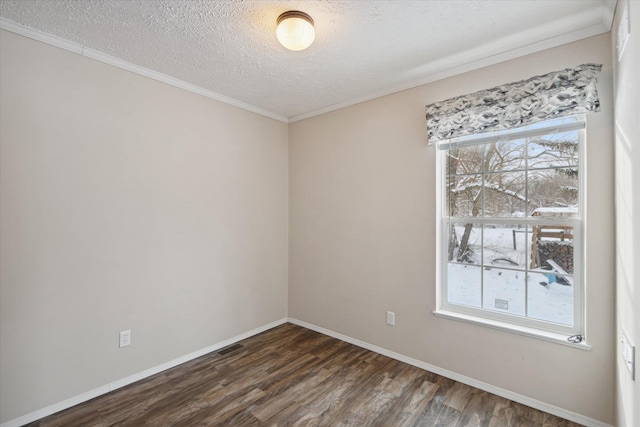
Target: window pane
(504, 156)
(549, 151)
(505, 195)
(505, 246)
(552, 248)
(464, 195)
(465, 243)
(504, 290)
(465, 284)
(464, 160)
(550, 297)
(554, 190)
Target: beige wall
(627, 189)
(127, 204)
(362, 239)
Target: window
(511, 226)
(511, 211)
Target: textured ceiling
(363, 48)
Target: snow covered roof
(566, 211)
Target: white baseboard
(525, 400)
(75, 400)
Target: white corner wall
(362, 240)
(627, 191)
(127, 204)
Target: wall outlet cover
(125, 338)
(391, 318)
(628, 353)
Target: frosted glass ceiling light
(295, 30)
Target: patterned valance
(553, 95)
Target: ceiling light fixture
(295, 30)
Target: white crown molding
(455, 64)
(516, 397)
(608, 14)
(8, 25)
(459, 63)
(99, 391)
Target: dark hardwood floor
(291, 376)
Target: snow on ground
(517, 292)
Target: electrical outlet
(391, 318)
(628, 353)
(125, 338)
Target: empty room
(319, 213)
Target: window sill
(553, 337)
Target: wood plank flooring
(291, 376)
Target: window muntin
(509, 207)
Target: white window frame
(513, 323)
